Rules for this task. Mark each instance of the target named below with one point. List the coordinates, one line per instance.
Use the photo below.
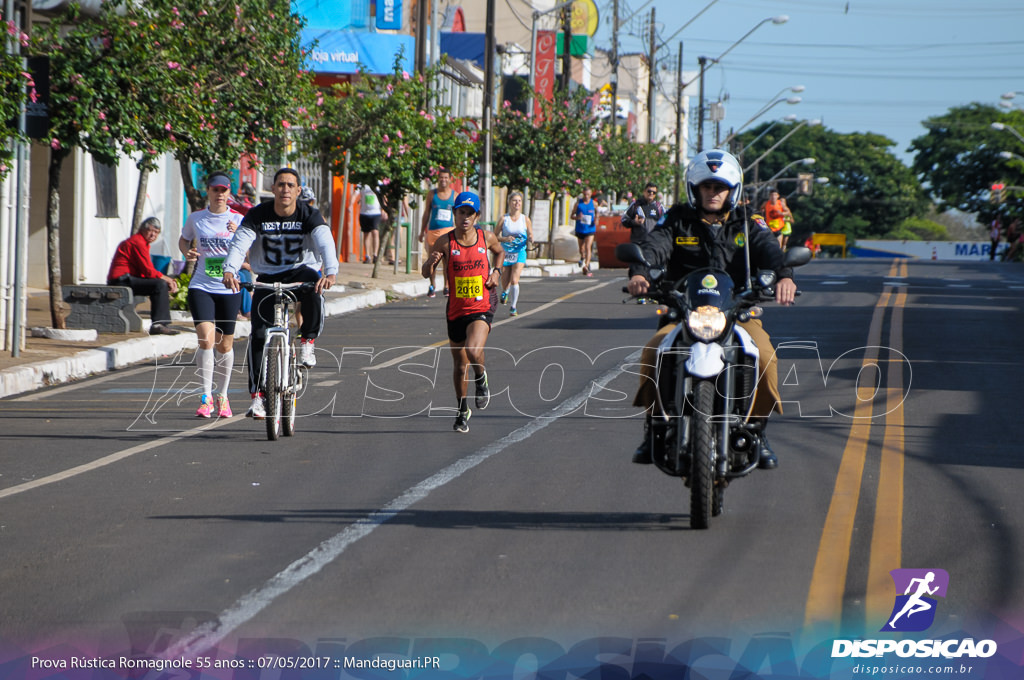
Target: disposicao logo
(914, 611)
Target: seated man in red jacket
(132, 267)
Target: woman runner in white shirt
(214, 306)
(515, 235)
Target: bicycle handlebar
(250, 286)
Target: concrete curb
(48, 373)
(88, 362)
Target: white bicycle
(282, 377)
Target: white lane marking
(113, 458)
(36, 396)
(444, 343)
(252, 603)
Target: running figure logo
(914, 610)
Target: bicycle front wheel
(275, 358)
(289, 399)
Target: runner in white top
(214, 306)
(515, 235)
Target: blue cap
(467, 199)
(218, 179)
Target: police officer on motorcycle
(708, 231)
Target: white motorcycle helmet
(718, 165)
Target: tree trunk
(140, 198)
(195, 202)
(59, 310)
(323, 201)
(195, 199)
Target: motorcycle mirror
(630, 253)
(797, 256)
(766, 278)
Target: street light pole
(615, 64)
(789, 119)
(651, 74)
(1004, 126)
(679, 124)
(489, 49)
(777, 20)
(703, 61)
(805, 161)
(775, 100)
(778, 143)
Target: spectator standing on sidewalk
(643, 213)
(438, 219)
(370, 216)
(133, 267)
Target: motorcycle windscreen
(711, 287)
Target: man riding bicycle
(283, 235)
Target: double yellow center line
(828, 582)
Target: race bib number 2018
(469, 287)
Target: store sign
(345, 51)
(389, 15)
(544, 73)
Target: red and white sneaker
(307, 354)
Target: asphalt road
(127, 524)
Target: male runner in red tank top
(473, 278)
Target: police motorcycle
(707, 368)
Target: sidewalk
(45, 361)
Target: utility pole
(566, 47)
(615, 64)
(421, 35)
(489, 50)
(679, 124)
(700, 106)
(650, 83)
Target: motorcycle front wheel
(702, 471)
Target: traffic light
(805, 183)
(997, 193)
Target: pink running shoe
(223, 407)
(205, 409)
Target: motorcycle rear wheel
(702, 473)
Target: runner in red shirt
(473, 278)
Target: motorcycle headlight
(706, 322)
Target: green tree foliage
(16, 88)
(206, 82)
(552, 153)
(395, 143)
(870, 191)
(627, 166)
(918, 229)
(959, 159)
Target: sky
(867, 65)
